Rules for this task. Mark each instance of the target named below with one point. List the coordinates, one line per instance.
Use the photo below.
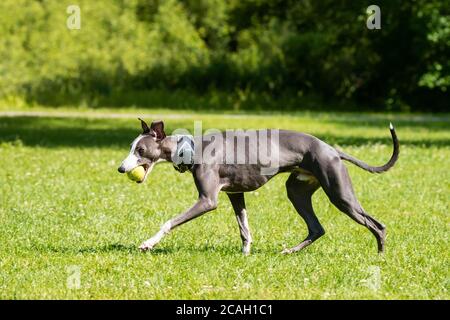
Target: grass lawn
(64, 208)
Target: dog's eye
(140, 151)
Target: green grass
(63, 204)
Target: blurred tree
(270, 48)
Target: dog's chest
(242, 178)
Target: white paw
(148, 245)
(246, 250)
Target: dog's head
(145, 149)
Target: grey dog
(311, 163)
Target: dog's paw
(147, 245)
(287, 251)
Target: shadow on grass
(206, 248)
(97, 133)
(159, 251)
(115, 247)
(430, 123)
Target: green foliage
(438, 67)
(269, 48)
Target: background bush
(232, 53)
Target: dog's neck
(168, 148)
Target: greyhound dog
(311, 163)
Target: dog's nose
(121, 169)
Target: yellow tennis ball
(137, 174)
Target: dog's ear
(144, 125)
(157, 129)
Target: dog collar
(183, 159)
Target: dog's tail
(382, 168)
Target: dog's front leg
(238, 203)
(203, 205)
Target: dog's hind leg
(238, 203)
(299, 193)
(336, 183)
